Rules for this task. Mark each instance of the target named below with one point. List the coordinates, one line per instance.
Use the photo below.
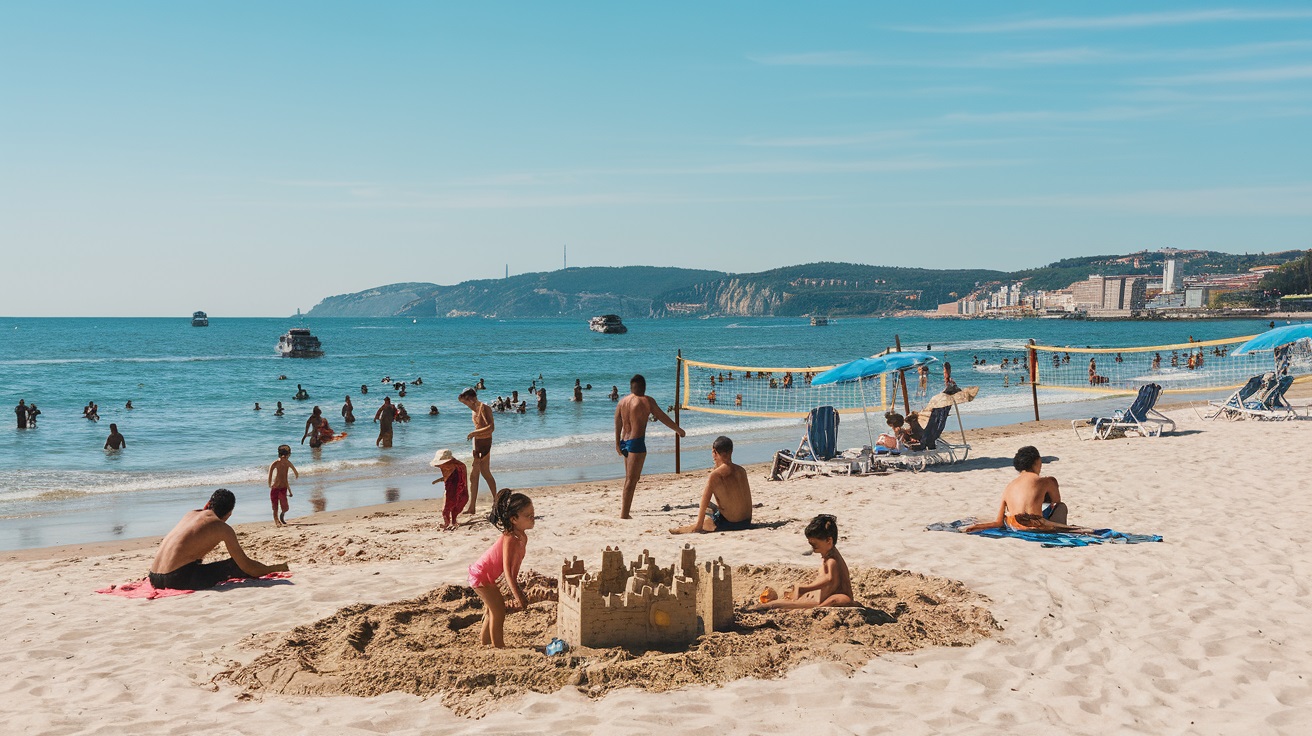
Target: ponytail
(507, 506)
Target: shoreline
(431, 504)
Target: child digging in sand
(512, 513)
(832, 587)
(456, 476)
(279, 489)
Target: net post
(678, 399)
(902, 379)
(1034, 377)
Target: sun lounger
(932, 448)
(819, 446)
(1140, 418)
(1235, 401)
(1270, 404)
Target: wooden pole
(1034, 378)
(902, 379)
(678, 399)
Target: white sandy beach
(1208, 632)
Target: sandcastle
(643, 605)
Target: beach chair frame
(1229, 408)
(933, 449)
(1271, 404)
(1140, 418)
(808, 457)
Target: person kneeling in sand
(728, 495)
(1031, 502)
(178, 565)
(831, 587)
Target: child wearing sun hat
(456, 476)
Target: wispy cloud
(1067, 56)
(1105, 114)
(322, 184)
(1273, 74)
(1295, 200)
(517, 200)
(1114, 22)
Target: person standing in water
(480, 466)
(348, 412)
(631, 416)
(384, 416)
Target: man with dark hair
(384, 416)
(178, 565)
(1031, 501)
(728, 495)
(21, 411)
(115, 440)
(631, 416)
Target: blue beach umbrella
(867, 367)
(1271, 339)
(863, 368)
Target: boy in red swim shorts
(279, 489)
(456, 476)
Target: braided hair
(507, 506)
(824, 526)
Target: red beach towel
(143, 589)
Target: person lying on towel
(1031, 502)
(178, 565)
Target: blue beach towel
(1048, 539)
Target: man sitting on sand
(1024, 499)
(178, 565)
(728, 495)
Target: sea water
(194, 390)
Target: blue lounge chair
(1235, 401)
(1271, 403)
(1140, 417)
(819, 446)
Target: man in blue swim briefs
(631, 417)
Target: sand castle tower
(643, 605)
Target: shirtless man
(384, 416)
(115, 440)
(481, 465)
(1023, 499)
(178, 565)
(312, 428)
(730, 491)
(631, 416)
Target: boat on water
(200, 319)
(608, 324)
(819, 321)
(299, 343)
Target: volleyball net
(1179, 368)
(756, 391)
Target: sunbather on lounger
(1024, 497)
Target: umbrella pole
(957, 410)
(861, 384)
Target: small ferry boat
(299, 343)
(819, 321)
(200, 319)
(608, 324)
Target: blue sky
(252, 158)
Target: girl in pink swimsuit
(512, 513)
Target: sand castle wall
(643, 605)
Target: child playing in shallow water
(832, 587)
(512, 513)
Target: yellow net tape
(773, 392)
(1180, 368)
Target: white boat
(608, 324)
(819, 321)
(200, 319)
(299, 343)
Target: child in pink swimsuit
(512, 513)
